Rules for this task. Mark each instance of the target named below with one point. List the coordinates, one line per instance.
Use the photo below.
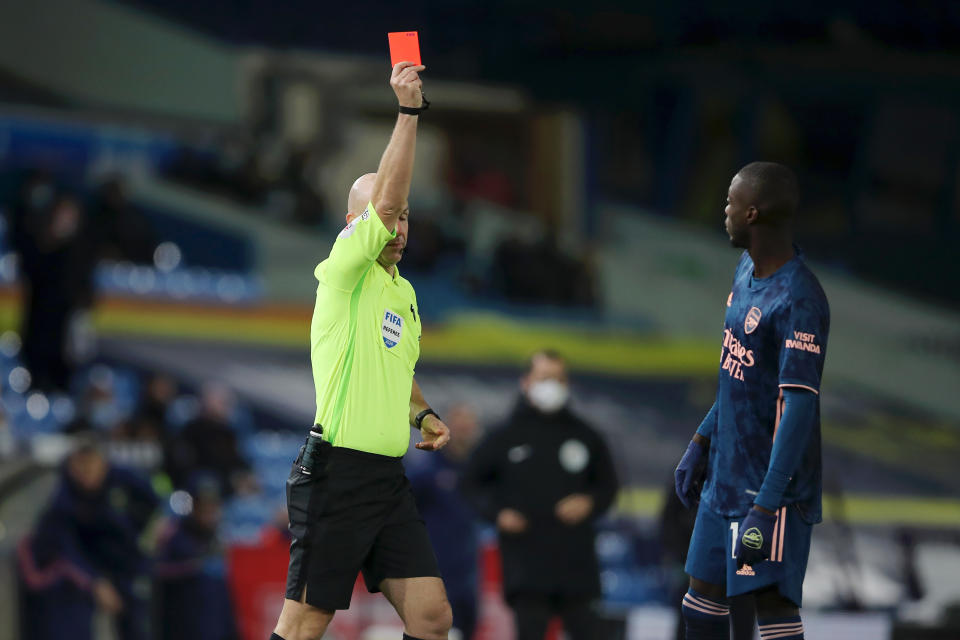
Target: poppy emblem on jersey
(753, 538)
(752, 320)
(350, 228)
(391, 328)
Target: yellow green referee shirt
(364, 343)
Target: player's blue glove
(688, 476)
(756, 538)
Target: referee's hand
(406, 83)
(435, 434)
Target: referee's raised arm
(392, 185)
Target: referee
(350, 505)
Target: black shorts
(351, 511)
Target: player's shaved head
(360, 194)
(772, 189)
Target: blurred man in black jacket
(544, 478)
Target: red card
(404, 47)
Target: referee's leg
(422, 605)
(300, 621)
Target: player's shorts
(351, 511)
(710, 557)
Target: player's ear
(350, 217)
(752, 215)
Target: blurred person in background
(99, 408)
(158, 392)
(57, 261)
(8, 443)
(277, 531)
(208, 444)
(526, 271)
(118, 229)
(193, 597)
(676, 527)
(84, 552)
(757, 452)
(349, 500)
(544, 478)
(149, 420)
(451, 521)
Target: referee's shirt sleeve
(355, 249)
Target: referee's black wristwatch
(418, 421)
(415, 111)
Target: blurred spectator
(476, 173)
(193, 597)
(208, 443)
(149, 420)
(264, 173)
(8, 443)
(277, 531)
(676, 527)
(430, 245)
(35, 195)
(309, 207)
(99, 408)
(540, 272)
(544, 478)
(451, 521)
(118, 229)
(84, 552)
(57, 259)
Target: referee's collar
(395, 278)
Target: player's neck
(769, 255)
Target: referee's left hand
(435, 434)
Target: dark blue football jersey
(775, 336)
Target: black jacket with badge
(530, 464)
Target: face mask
(548, 396)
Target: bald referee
(350, 505)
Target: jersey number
(735, 530)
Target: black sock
(274, 636)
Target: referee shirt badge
(391, 328)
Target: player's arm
(392, 185)
(434, 432)
(707, 427)
(803, 348)
(789, 445)
(693, 465)
(793, 433)
(803, 345)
